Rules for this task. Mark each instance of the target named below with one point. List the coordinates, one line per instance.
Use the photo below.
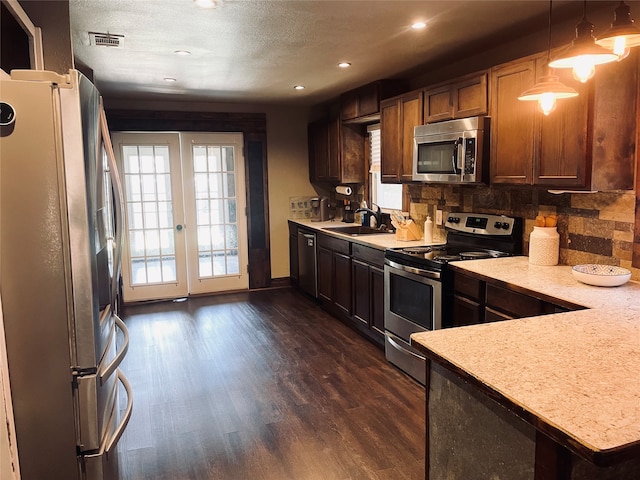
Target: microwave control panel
(469, 156)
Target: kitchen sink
(355, 230)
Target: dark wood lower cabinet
(325, 274)
(377, 302)
(477, 300)
(342, 291)
(361, 292)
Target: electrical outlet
(438, 217)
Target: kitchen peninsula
(554, 397)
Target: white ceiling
(257, 50)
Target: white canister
(544, 246)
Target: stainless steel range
(418, 283)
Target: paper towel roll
(344, 190)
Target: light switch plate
(438, 217)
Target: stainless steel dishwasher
(307, 266)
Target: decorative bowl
(601, 275)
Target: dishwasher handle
(309, 237)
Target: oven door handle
(397, 346)
(414, 270)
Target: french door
(185, 214)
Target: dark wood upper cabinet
(336, 152)
(399, 116)
(465, 97)
(563, 157)
(586, 143)
(512, 122)
(363, 103)
(615, 124)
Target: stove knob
(497, 225)
(505, 225)
(451, 220)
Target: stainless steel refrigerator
(60, 237)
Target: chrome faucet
(377, 213)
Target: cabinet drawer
(370, 255)
(335, 244)
(468, 286)
(513, 303)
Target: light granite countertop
(578, 373)
(380, 241)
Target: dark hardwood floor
(264, 385)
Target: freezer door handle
(127, 413)
(115, 363)
(103, 464)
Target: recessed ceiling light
(183, 53)
(418, 25)
(206, 3)
(344, 64)
(299, 87)
(170, 79)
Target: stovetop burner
(474, 255)
(446, 258)
(422, 250)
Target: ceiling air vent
(106, 39)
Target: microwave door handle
(455, 158)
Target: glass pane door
(154, 257)
(214, 200)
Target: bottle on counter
(428, 230)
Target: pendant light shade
(583, 54)
(546, 92)
(623, 34)
(548, 88)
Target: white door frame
(233, 281)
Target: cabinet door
(293, 258)
(470, 97)
(349, 105)
(361, 292)
(333, 158)
(391, 141)
(318, 133)
(615, 134)
(342, 281)
(411, 116)
(563, 159)
(512, 123)
(325, 274)
(352, 157)
(377, 301)
(466, 312)
(438, 104)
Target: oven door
(413, 303)
(413, 300)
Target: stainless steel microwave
(455, 151)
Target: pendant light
(549, 88)
(623, 34)
(583, 54)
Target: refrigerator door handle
(127, 414)
(115, 363)
(119, 202)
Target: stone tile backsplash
(593, 227)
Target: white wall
(287, 161)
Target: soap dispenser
(428, 230)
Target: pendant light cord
(549, 36)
